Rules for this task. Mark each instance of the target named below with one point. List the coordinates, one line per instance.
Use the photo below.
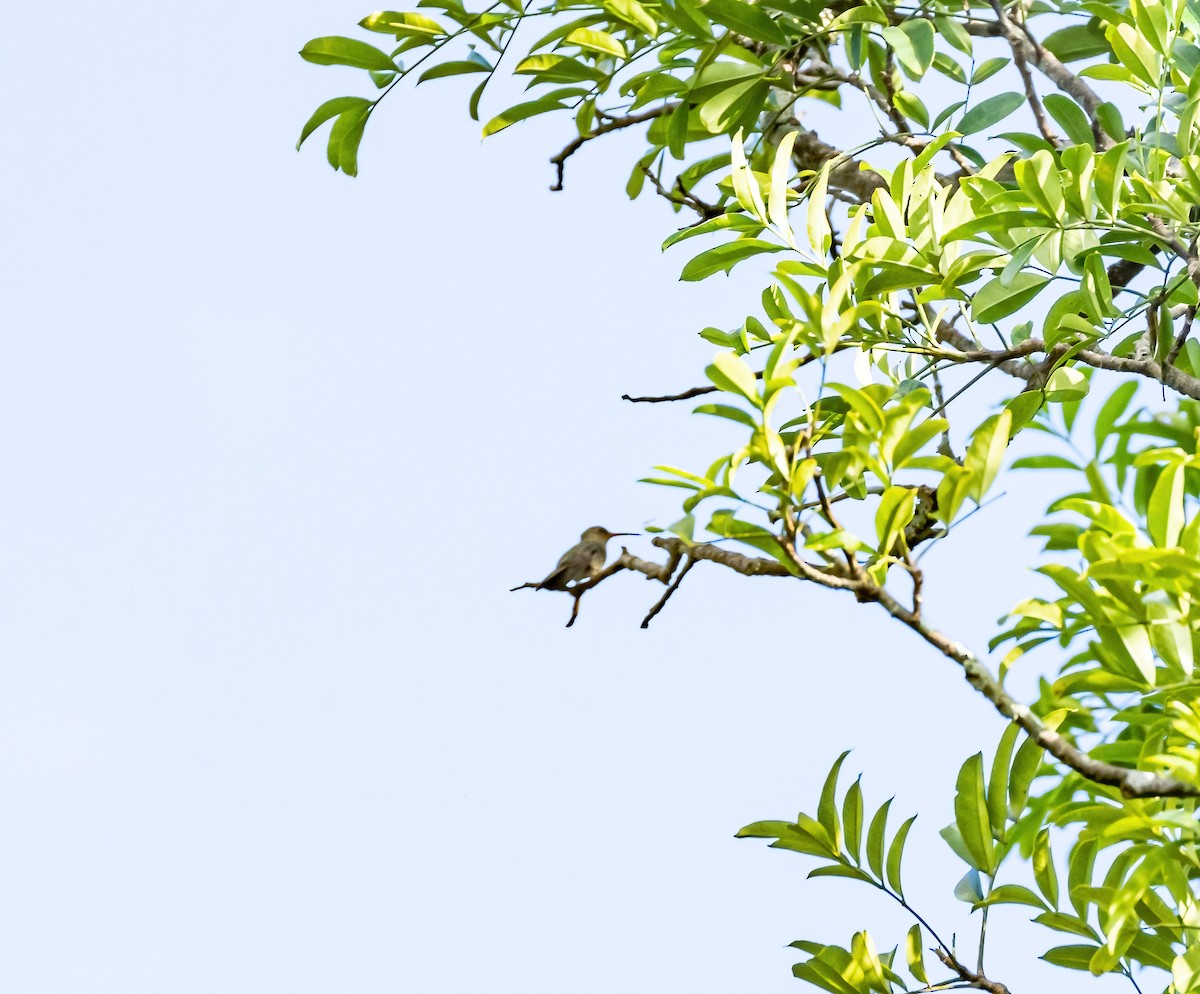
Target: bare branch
(686, 395)
(746, 565)
(681, 196)
(810, 152)
(1182, 337)
(702, 391)
(1031, 97)
(1131, 783)
(610, 124)
(1170, 376)
(970, 977)
(1015, 365)
(652, 571)
(1033, 53)
(671, 588)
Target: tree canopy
(1012, 194)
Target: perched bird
(580, 562)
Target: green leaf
(876, 836)
(971, 814)
(948, 67)
(895, 511)
(677, 130)
(997, 791)
(1165, 514)
(1079, 874)
(896, 855)
(912, 42)
(1012, 894)
(724, 109)
(338, 51)
(952, 491)
(739, 222)
(995, 300)
(597, 41)
(1081, 41)
(1024, 768)
(520, 112)
(916, 438)
(827, 814)
(1070, 117)
(765, 830)
(634, 13)
(745, 184)
(476, 95)
(841, 870)
(1133, 51)
(932, 149)
(746, 19)
(1066, 923)
(723, 258)
(852, 819)
(1043, 867)
(986, 452)
(954, 34)
(819, 233)
(1046, 461)
(731, 374)
(1078, 957)
(1109, 116)
(329, 109)
(392, 22)
(725, 411)
(777, 197)
(344, 138)
(914, 953)
(987, 69)
(1110, 174)
(1066, 384)
(910, 105)
(988, 112)
(453, 69)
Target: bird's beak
(619, 534)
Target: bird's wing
(556, 580)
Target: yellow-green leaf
(597, 41)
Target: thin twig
(1182, 337)
(610, 124)
(671, 588)
(682, 196)
(1031, 97)
(702, 391)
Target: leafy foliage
(1021, 201)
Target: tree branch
(972, 979)
(611, 124)
(1171, 376)
(681, 196)
(1026, 47)
(1132, 783)
(671, 588)
(1031, 97)
(702, 391)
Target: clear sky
(276, 443)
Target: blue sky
(276, 443)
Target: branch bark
(612, 124)
(1131, 783)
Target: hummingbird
(580, 562)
